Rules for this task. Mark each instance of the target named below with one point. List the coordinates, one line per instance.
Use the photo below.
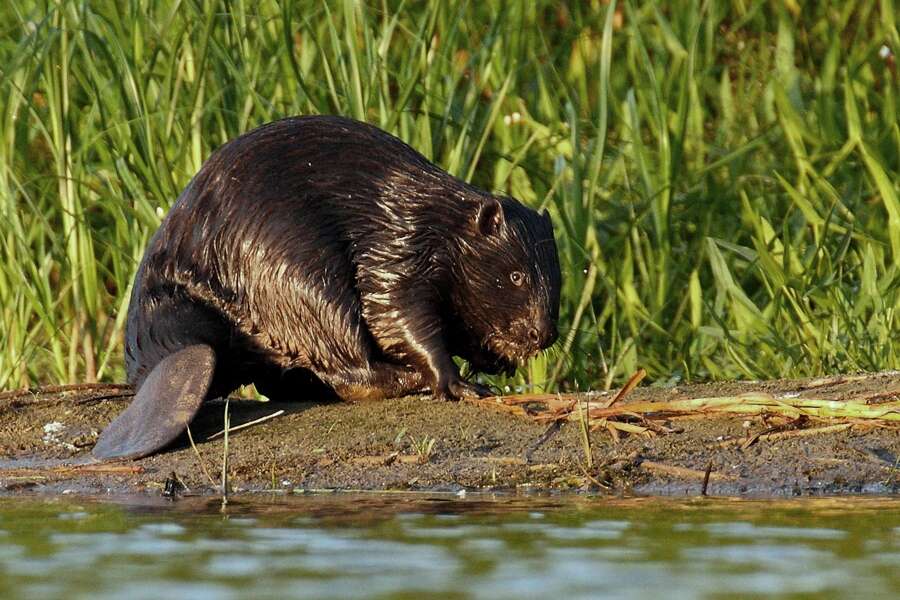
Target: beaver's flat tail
(163, 407)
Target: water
(384, 546)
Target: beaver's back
(291, 212)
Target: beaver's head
(507, 285)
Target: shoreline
(420, 444)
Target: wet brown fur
(321, 250)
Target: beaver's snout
(543, 334)
(528, 336)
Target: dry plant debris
(822, 415)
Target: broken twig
(246, 425)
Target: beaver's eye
(517, 278)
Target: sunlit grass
(722, 175)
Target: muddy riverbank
(423, 444)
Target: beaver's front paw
(458, 388)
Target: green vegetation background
(723, 175)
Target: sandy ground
(423, 444)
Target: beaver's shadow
(210, 419)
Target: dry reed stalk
(683, 472)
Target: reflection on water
(427, 546)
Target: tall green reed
(722, 175)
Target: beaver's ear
(489, 217)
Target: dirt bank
(419, 443)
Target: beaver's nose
(544, 336)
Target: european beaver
(321, 250)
